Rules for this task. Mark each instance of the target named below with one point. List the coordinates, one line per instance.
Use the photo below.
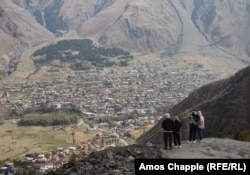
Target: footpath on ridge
(210, 148)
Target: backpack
(196, 118)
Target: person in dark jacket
(176, 132)
(194, 119)
(167, 125)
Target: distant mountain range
(197, 28)
(149, 26)
(224, 105)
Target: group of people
(197, 123)
(171, 129)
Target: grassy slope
(23, 140)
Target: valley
(133, 97)
(78, 77)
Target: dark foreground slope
(225, 105)
(121, 160)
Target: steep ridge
(223, 103)
(143, 26)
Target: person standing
(167, 125)
(176, 132)
(194, 118)
(201, 125)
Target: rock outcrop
(111, 160)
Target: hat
(167, 115)
(194, 110)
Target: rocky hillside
(121, 160)
(224, 105)
(18, 31)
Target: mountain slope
(224, 23)
(223, 103)
(18, 30)
(140, 26)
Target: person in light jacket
(167, 125)
(201, 125)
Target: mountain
(223, 104)
(213, 33)
(165, 26)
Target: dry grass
(17, 141)
(137, 133)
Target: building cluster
(138, 90)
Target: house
(47, 167)
(41, 158)
(103, 124)
(72, 148)
(56, 105)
